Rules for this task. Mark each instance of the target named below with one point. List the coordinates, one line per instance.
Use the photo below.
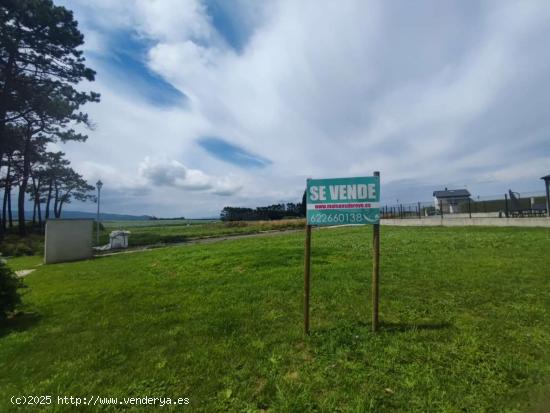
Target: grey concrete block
(68, 240)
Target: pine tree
(40, 65)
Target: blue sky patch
(126, 60)
(228, 23)
(228, 152)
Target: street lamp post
(98, 184)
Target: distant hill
(103, 216)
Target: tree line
(40, 105)
(271, 212)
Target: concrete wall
(466, 215)
(68, 240)
(461, 222)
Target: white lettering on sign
(314, 193)
(372, 190)
(352, 191)
(347, 192)
(342, 192)
(362, 191)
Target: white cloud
(109, 175)
(172, 20)
(171, 173)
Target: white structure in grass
(68, 240)
(118, 239)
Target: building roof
(545, 177)
(452, 193)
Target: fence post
(441, 208)
(470, 207)
(419, 212)
(506, 205)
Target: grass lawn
(465, 311)
(26, 262)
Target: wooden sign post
(343, 201)
(375, 270)
(307, 272)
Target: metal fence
(529, 204)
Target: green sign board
(343, 201)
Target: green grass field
(465, 313)
(173, 231)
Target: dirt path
(23, 273)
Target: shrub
(9, 296)
(14, 246)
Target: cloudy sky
(207, 103)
